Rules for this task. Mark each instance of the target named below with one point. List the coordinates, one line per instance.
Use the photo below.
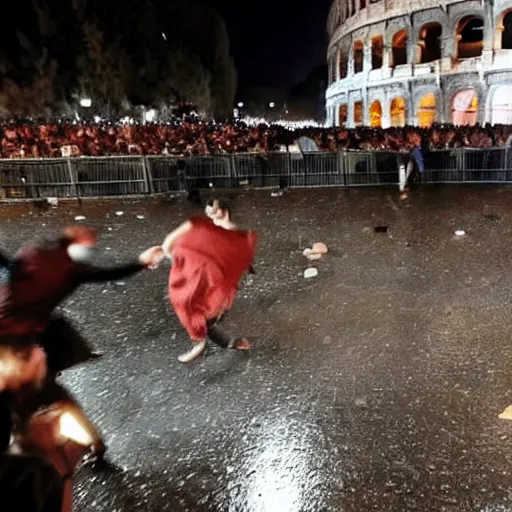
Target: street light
(241, 104)
(271, 104)
(86, 102)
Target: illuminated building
(396, 62)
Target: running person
(207, 264)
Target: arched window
(506, 35)
(398, 112)
(470, 37)
(430, 42)
(358, 113)
(377, 52)
(399, 45)
(343, 115)
(465, 108)
(501, 105)
(343, 64)
(376, 115)
(427, 110)
(358, 56)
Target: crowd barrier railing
(141, 175)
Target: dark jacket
(40, 278)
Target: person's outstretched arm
(92, 274)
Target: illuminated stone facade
(396, 62)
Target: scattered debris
(327, 340)
(277, 193)
(119, 214)
(319, 248)
(506, 414)
(110, 229)
(53, 201)
(381, 229)
(140, 217)
(404, 196)
(310, 255)
(310, 273)
(79, 217)
(460, 232)
(491, 217)
(316, 252)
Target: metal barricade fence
(137, 175)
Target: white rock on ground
(310, 273)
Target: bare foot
(193, 353)
(242, 344)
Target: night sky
(273, 44)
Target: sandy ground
(375, 386)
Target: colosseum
(398, 62)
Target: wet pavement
(375, 386)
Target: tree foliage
(135, 52)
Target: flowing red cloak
(207, 264)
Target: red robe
(207, 264)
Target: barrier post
(72, 178)
(148, 178)
(402, 177)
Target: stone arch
(503, 29)
(377, 51)
(464, 106)
(469, 36)
(376, 114)
(398, 111)
(427, 106)
(499, 104)
(430, 44)
(358, 55)
(343, 114)
(422, 18)
(343, 58)
(454, 84)
(399, 45)
(395, 25)
(460, 14)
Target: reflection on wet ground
(375, 386)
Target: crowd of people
(31, 139)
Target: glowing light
(272, 486)
(271, 104)
(164, 36)
(97, 119)
(86, 102)
(150, 115)
(241, 104)
(290, 125)
(71, 428)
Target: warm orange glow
(358, 56)
(398, 112)
(427, 110)
(376, 115)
